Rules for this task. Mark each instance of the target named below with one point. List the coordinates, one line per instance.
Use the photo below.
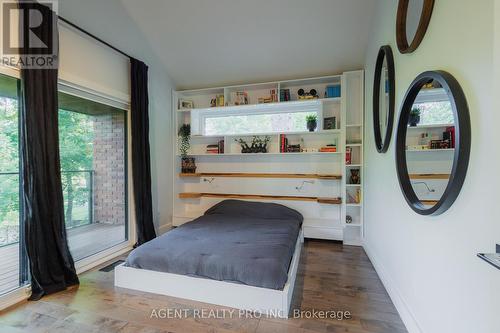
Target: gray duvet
(244, 242)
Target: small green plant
(311, 118)
(415, 112)
(184, 139)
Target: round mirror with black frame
(433, 142)
(384, 96)
(412, 20)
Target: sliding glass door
(93, 146)
(93, 149)
(12, 266)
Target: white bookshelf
(325, 221)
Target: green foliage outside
(76, 135)
(435, 113)
(258, 123)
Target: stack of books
(216, 148)
(212, 149)
(328, 149)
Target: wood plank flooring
(331, 277)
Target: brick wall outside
(109, 166)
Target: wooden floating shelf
(266, 154)
(430, 176)
(262, 175)
(191, 195)
(429, 202)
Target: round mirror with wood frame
(433, 142)
(420, 25)
(384, 96)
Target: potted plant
(187, 163)
(312, 122)
(414, 117)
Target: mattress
(236, 241)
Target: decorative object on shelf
(456, 161)
(220, 100)
(312, 122)
(213, 102)
(330, 123)
(284, 95)
(439, 144)
(414, 118)
(351, 199)
(188, 164)
(294, 148)
(348, 219)
(312, 94)
(332, 91)
(410, 32)
(348, 156)
(272, 98)
(384, 96)
(241, 98)
(185, 104)
(354, 178)
(258, 145)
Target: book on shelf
(221, 146)
(328, 149)
(348, 155)
(284, 95)
(215, 148)
(283, 143)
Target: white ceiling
(217, 42)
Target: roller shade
(87, 63)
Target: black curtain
(51, 265)
(141, 165)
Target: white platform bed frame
(270, 302)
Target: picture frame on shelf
(330, 123)
(185, 104)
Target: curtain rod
(94, 37)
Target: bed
(239, 254)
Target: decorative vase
(311, 125)
(188, 165)
(414, 120)
(354, 179)
(348, 219)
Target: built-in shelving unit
(314, 182)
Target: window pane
(257, 123)
(93, 169)
(435, 113)
(10, 275)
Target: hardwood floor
(331, 277)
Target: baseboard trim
(14, 297)
(402, 307)
(164, 228)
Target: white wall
(110, 21)
(429, 264)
